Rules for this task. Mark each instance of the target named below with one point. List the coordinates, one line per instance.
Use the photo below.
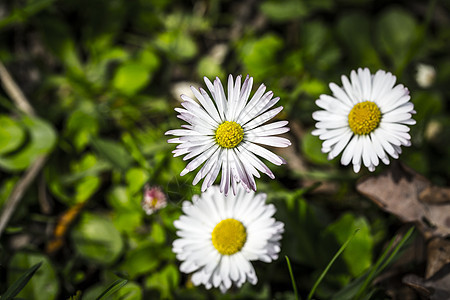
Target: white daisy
(220, 235)
(366, 119)
(224, 133)
(425, 75)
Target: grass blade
(316, 284)
(383, 261)
(20, 283)
(114, 287)
(294, 286)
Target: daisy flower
(366, 119)
(225, 133)
(153, 200)
(425, 75)
(220, 236)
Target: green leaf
(260, 57)
(311, 147)
(86, 188)
(113, 152)
(128, 221)
(395, 33)
(20, 283)
(11, 134)
(131, 145)
(23, 14)
(44, 283)
(131, 77)
(97, 239)
(149, 59)
(354, 30)
(119, 198)
(158, 234)
(316, 284)
(177, 44)
(131, 291)
(294, 286)
(113, 288)
(165, 281)
(136, 178)
(358, 254)
(427, 105)
(140, 261)
(210, 68)
(42, 140)
(284, 10)
(81, 125)
(6, 188)
(59, 40)
(358, 287)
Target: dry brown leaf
(435, 195)
(438, 252)
(397, 191)
(435, 288)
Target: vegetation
(89, 89)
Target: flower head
(225, 133)
(154, 199)
(220, 236)
(366, 119)
(425, 75)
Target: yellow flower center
(229, 134)
(364, 117)
(229, 236)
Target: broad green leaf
(59, 40)
(395, 33)
(11, 134)
(131, 77)
(95, 238)
(158, 234)
(165, 281)
(131, 145)
(86, 188)
(354, 30)
(119, 198)
(43, 285)
(136, 178)
(177, 44)
(81, 125)
(285, 10)
(113, 152)
(210, 68)
(427, 105)
(260, 57)
(128, 221)
(142, 260)
(320, 49)
(311, 147)
(42, 140)
(149, 59)
(358, 254)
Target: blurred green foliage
(101, 76)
